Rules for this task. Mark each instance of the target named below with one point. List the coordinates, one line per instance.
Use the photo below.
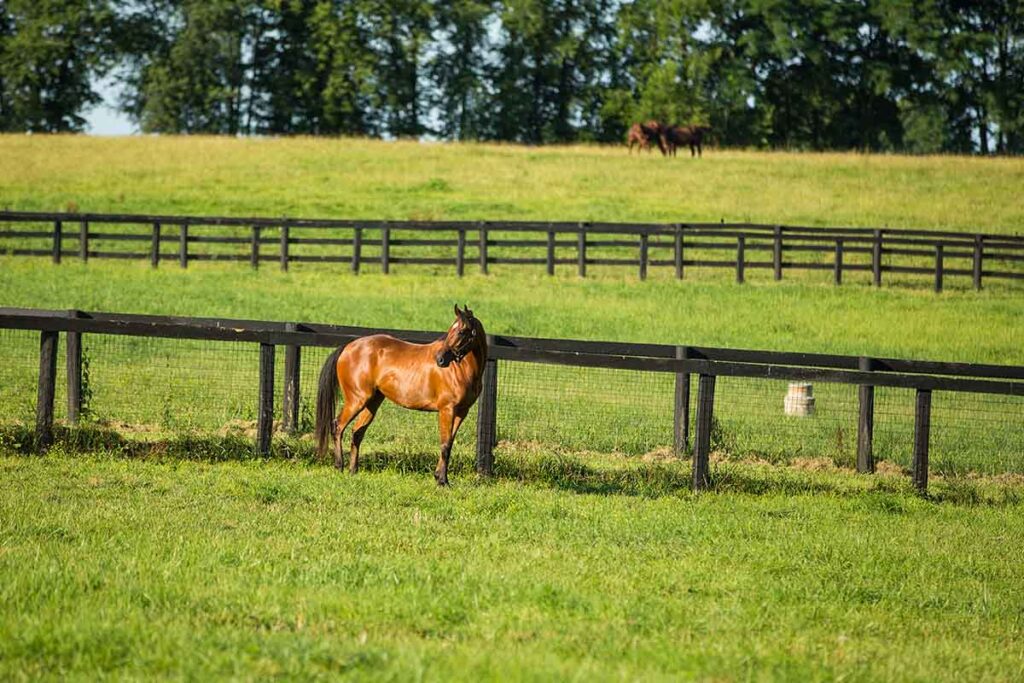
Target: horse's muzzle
(443, 359)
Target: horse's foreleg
(362, 423)
(449, 422)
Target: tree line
(923, 76)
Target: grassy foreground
(404, 180)
(117, 568)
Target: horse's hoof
(441, 480)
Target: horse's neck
(479, 351)
(481, 345)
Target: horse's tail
(326, 400)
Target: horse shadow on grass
(566, 472)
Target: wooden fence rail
(708, 363)
(937, 255)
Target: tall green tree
(400, 31)
(456, 68)
(342, 38)
(198, 79)
(51, 54)
(549, 63)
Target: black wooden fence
(925, 377)
(737, 246)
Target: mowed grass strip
(792, 315)
(320, 177)
(117, 568)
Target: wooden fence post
(838, 267)
(47, 387)
(939, 268)
(460, 253)
(154, 246)
(581, 250)
(254, 251)
(385, 250)
(551, 252)
(678, 252)
(73, 363)
(483, 248)
(265, 409)
(57, 240)
(740, 258)
(777, 253)
(292, 376)
(643, 255)
(681, 412)
(865, 422)
(183, 246)
(876, 259)
(83, 240)
(285, 238)
(487, 417)
(702, 439)
(922, 430)
(978, 256)
(357, 249)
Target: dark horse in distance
(646, 133)
(681, 136)
(443, 377)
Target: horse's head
(462, 336)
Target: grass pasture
(151, 544)
(126, 568)
(317, 177)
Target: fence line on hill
(936, 254)
(679, 362)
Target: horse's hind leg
(348, 412)
(362, 423)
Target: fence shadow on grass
(565, 472)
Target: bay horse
(641, 134)
(692, 136)
(443, 376)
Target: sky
(104, 119)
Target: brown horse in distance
(643, 134)
(692, 136)
(443, 377)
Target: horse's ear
(458, 313)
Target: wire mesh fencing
(157, 388)
(19, 369)
(584, 409)
(751, 420)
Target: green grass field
(132, 569)
(586, 556)
(405, 180)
